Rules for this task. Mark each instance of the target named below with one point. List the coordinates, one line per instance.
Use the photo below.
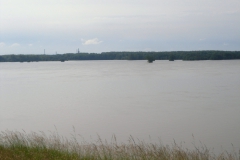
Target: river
(189, 102)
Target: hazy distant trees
(2, 59)
(174, 55)
(171, 57)
(150, 58)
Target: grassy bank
(31, 146)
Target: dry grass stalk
(22, 145)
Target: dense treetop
(173, 55)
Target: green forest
(172, 55)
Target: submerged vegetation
(20, 145)
(174, 55)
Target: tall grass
(25, 146)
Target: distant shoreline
(171, 55)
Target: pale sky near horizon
(63, 26)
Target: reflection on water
(164, 100)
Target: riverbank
(170, 55)
(21, 145)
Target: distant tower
(44, 51)
(78, 50)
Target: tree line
(172, 55)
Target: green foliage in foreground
(23, 146)
(32, 153)
(174, 55)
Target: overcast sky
(63, 26)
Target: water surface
(183, 101)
